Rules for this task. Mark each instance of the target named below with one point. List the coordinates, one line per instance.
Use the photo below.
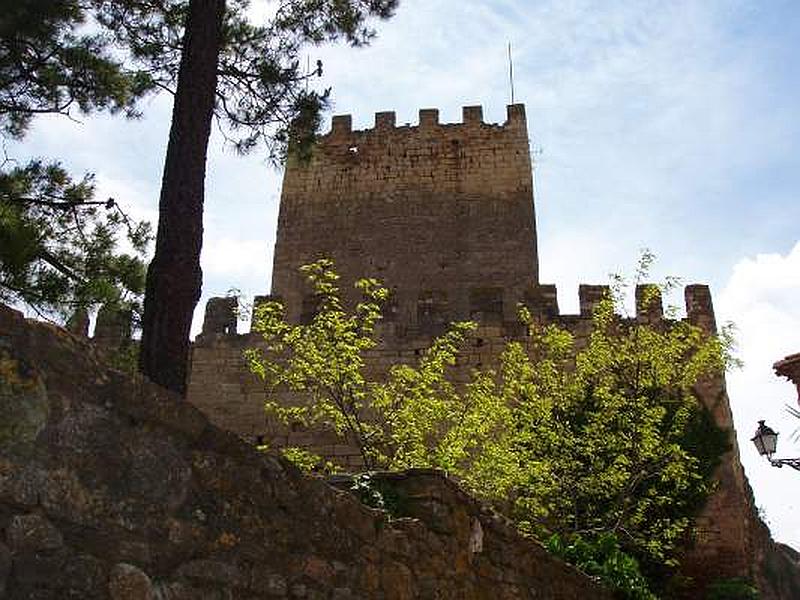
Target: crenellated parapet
(78, 323)
(426, 208)
(487, 308)
(649, 305)
(220, 316)
(699, 307)
(386, 121)
(472, 156)
(113, 328)
(222, 386)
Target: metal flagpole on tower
(511, 72)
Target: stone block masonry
(442, 213)
(727, 533)
(112, 488)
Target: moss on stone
(23, 405)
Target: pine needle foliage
(58, 244)
(53, 61)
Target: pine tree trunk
(174, 278)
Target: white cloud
(236, 259)
(135, 196)
(243, 266)
(762, 297)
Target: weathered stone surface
(5, 567)
(32, 533)
(454, 204)
(443, 214)
(270, 584)
(23, 404)
(126, 503)
(113, 328)
(128, 582)
(38, 573)
(212, 571)
(85, 577)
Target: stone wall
(112, 488)
(442, 213)
(224, 389)
(728, 540)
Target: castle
(443, 214)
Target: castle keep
(443, 214)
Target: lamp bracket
(791, 462)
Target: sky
(672, 126)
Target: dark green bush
(732, 589)
(602, 558)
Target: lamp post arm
(791, 462)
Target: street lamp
(766, 440)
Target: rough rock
(114, 489)
(129, 583)
(32, 533)
(5, 567)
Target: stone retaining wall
(116, 489)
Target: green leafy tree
(603, 439)
(611, 439)
(732, 589)
(411, 420)
(603, 558)
(58, 245)
(323, 361)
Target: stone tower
(441, 213)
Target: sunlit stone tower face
(442, 213)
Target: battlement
(488, 309)
(443, 215)
(386, 121)
(222, 386)
(423, 208)
(112, 331)
(473, 156)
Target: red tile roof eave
(789, 367)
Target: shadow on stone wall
(114, 488)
